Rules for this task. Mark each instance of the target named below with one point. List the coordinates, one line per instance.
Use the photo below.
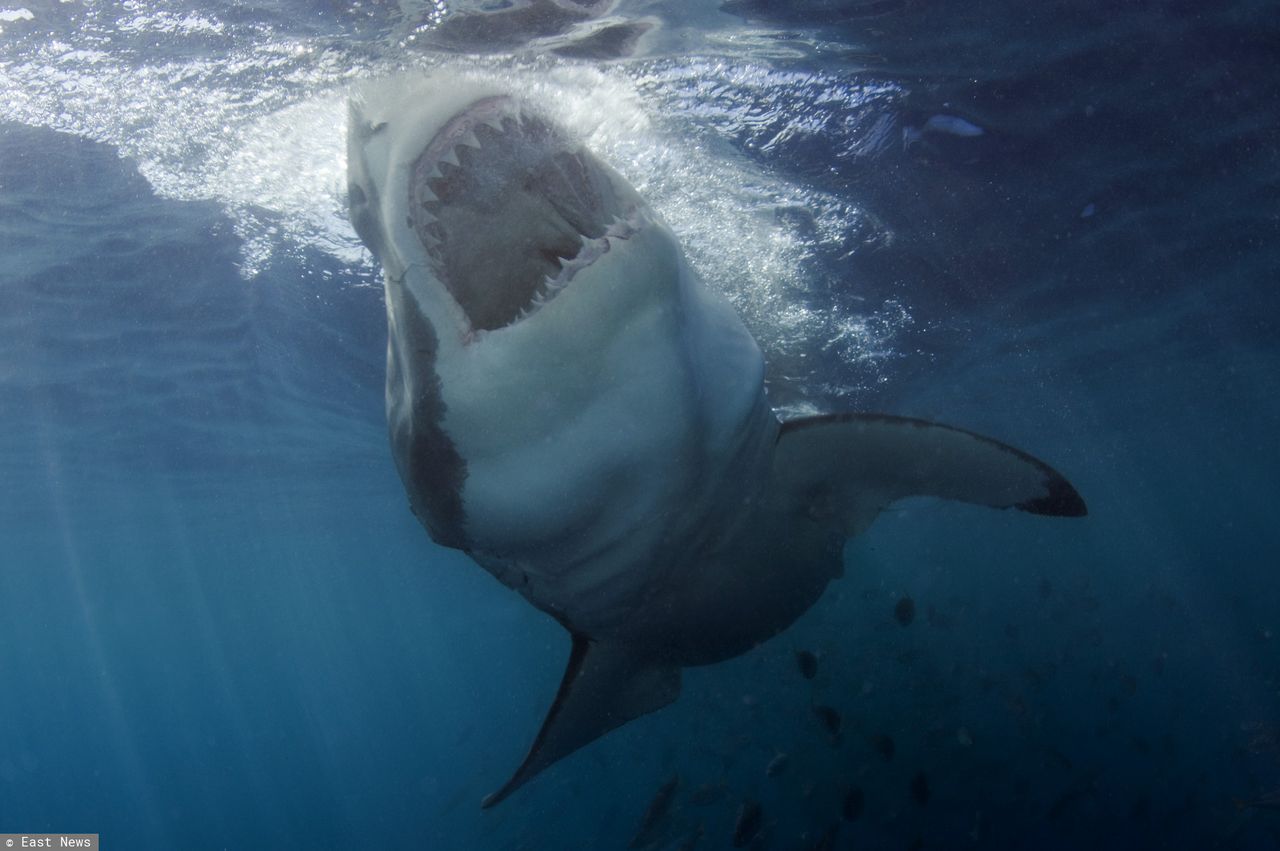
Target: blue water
(220, 626)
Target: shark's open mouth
(509, 211)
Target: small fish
(777, 765)
(831, 720)
(655, 813)
(905, 611)
(854, 803)
(708, 793)
(748, 824)
(883, 743)
(920, 788)
(807, 662)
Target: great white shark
(573, 408)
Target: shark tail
(605, 685)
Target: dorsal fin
(845, 468)
(604, 686)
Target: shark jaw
(509, 213)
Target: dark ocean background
(1057, 223)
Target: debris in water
(777, 765)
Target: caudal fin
(604, 686)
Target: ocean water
(1058, 223)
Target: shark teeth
(437, 174)
(589, 251)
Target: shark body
(569, 405)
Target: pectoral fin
(845, 468)
(604, 686)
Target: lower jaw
(621, 228)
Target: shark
(570, 405)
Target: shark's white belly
(598, 463)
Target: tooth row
(469, 138)
(591, 250)
(625, 228)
